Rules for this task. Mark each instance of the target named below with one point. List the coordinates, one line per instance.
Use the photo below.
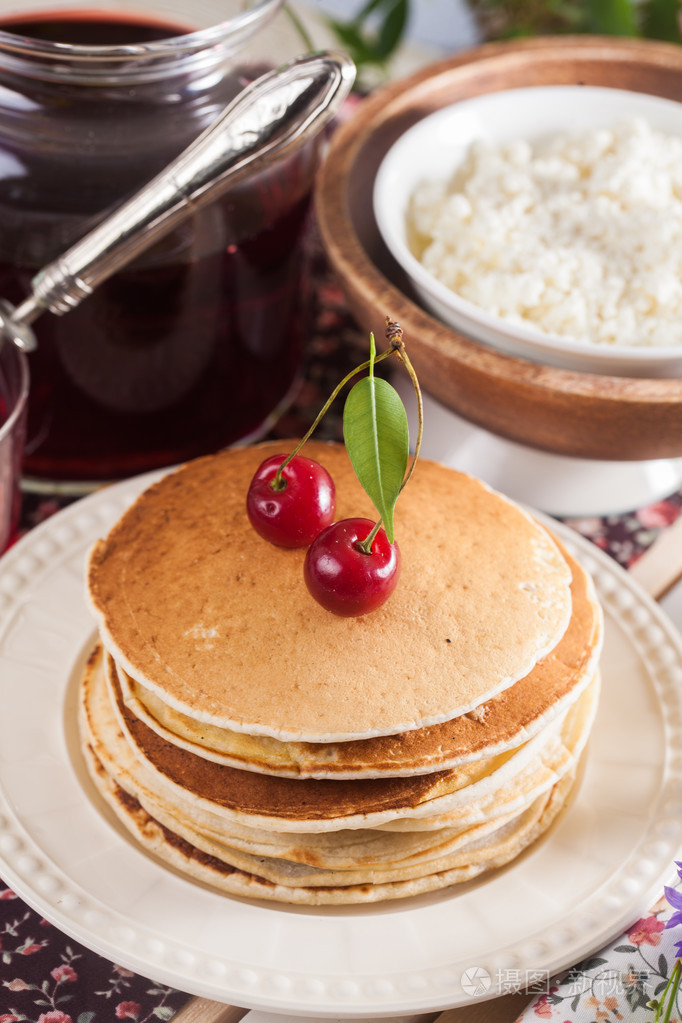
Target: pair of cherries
(349, 571)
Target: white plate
(62, 852)
(433, 148)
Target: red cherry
(295, 514)
(345, 580)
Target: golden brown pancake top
(196, 606)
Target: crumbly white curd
(579, 236)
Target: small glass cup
(13, 403)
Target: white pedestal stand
(557, 484)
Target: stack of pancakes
(258, 743)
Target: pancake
(503, 723)
(472, 850)
(525, 785)
(196, 864)
(475, 854)
(213, 794)
(263, 746)
(197, 608)
(336, 850)
(466, 774)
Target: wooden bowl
(579, 414)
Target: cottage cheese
(580, 237)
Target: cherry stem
(365, 546)
(394, 336)
(278, 483)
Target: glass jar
(197, 343)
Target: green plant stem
(667, 1001)
(300, 28)
(394, 336)
(277, 482)
(366, 545)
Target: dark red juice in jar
(194, 345)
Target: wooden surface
(499, 1010)
(202, 1010)
(660, 567)
(576, 414)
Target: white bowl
(432, 150)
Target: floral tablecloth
(619, 981)
(47, 978)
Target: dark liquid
(89, 28)
(190, 348)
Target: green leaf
(392, 30)
(567, 12)
(373, 35)
(660, 20)
(353, 41)
(612, 17)
(370, 7)
(591, 964)
(377, 439)
(163, 1012)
